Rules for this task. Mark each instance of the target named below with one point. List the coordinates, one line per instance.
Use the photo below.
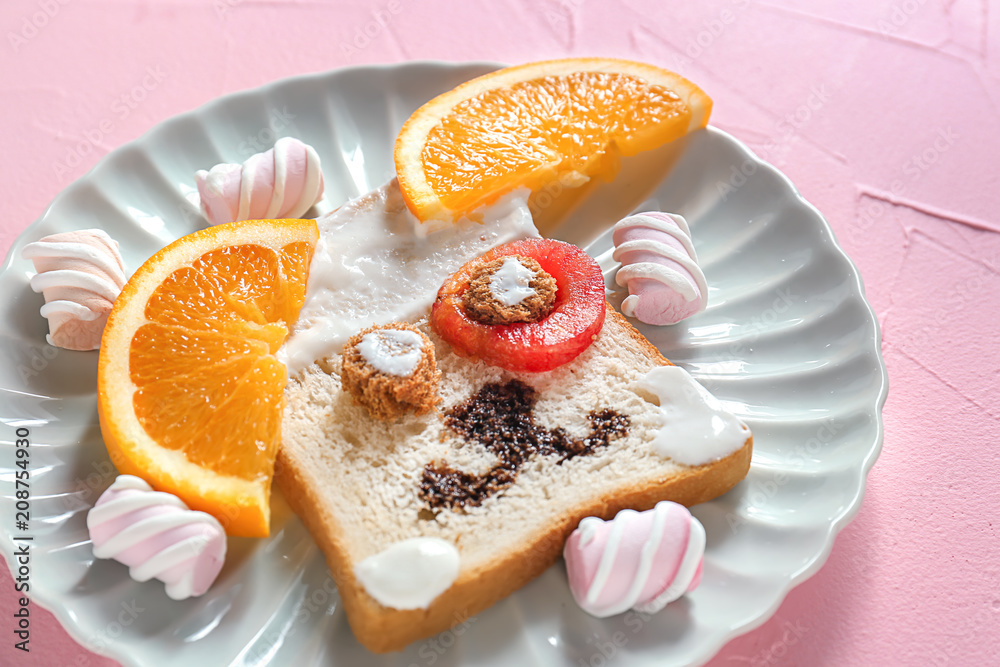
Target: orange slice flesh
(565, 121)
(190, 394)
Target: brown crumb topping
(481, 304)
(386, 396)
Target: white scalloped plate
(788, 342)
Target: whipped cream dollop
(695, 428)
(659, 267)
(375, 263)
(511, 283)
(638, 560)
(409, 574)
(156, 535)
(80, 274)
(283, 182)
(392, 351)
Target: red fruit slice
(559, 337)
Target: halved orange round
(564, 121)
(190, 393)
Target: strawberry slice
(559, 337)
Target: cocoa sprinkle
(501, 418)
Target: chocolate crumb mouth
(501, 418)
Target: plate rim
(49, 601)
(836, 526)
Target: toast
(361, 485)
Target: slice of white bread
(355, 481)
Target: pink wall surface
(883, 113)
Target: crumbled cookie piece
(391, 370)
(508, 290)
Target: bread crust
(382, 629)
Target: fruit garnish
(554, 125)
(557, 338)
(189, 391)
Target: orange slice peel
(558, 121)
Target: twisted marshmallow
(156, 535)
(638, 560)
(282, 182)
(80, 274)
(660, 268)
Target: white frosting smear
(411, 573)
(392, 351)
(510, 284)
(695, 427)
(375, 263)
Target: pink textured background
(883, 113)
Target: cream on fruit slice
(375, 263)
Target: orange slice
(557, 121)
(189, 391)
